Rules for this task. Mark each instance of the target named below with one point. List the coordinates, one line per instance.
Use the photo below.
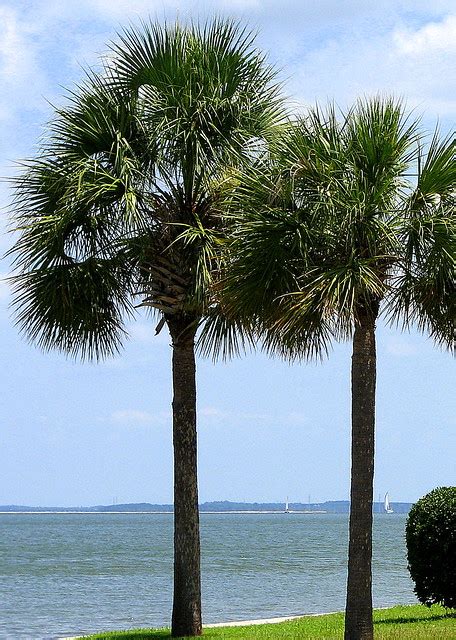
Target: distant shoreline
(170, 513)
(214, 507)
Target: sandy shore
(246, 623)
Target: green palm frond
(310, 340)
(124, 202)
(424, 292)
(223, 338)
(382, 139)
(333, 226)
(205, 89)
(78, 308)
(436, 174)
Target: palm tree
(122, 208)
(346, 221)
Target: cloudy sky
(78, 434)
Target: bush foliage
(431, 547)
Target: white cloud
(15, 52)
(401, 347)
(415, 64)
(435, 37)
(207, 414)
(126, 9)
(240, 5)
(21, 74)
(211, 412)
(135, 416)
(297, 418)
(246, 417)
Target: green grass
(398, 623)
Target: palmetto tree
(122, 208)
(349, 220)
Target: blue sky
(79, 434)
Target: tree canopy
(350, 208)
(122, 204)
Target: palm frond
(332, 226)
(77, 308)
(424, 292)
(205, 89)
(128, 183)
(223, 338)
(437, 175)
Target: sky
(85, 434)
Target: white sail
(287, 510)
(387, 504)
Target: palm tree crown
(123, 200)
(347, 214)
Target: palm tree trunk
(358, 612)
(186, 617)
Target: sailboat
(287, 508)
(387, 504)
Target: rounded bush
(431, 547)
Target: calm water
(75, 573)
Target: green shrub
(431, 547)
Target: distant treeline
(331, 506)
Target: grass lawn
(398, 623)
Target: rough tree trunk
(358, 612)
(186, 617)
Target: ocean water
(68, 574)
